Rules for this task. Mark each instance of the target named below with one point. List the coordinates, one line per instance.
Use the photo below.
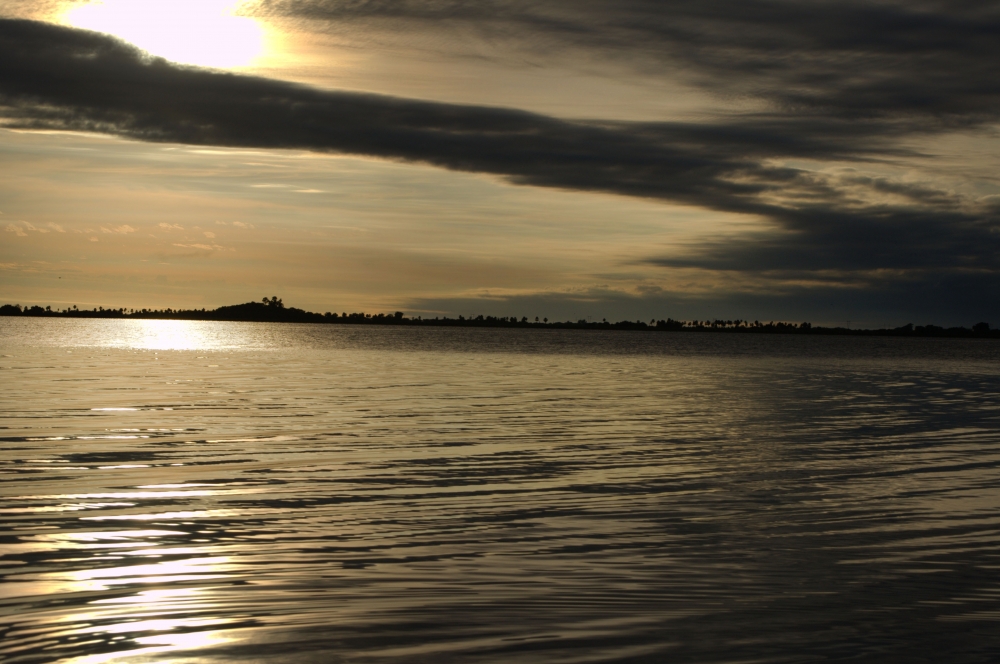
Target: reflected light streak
(103, 578)
(161, 643)
(169, 335)
(205, 33)
(150, 622)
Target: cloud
(203, 247)
(849, 85)
(891, 300)
(118, 230)
(58, 78)
(21, 228)
(171, 227)
(931, 60)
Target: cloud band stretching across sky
(59, 78)
(839, 83)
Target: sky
(828, 161)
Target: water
(243, 492)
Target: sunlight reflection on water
(153, 335)
(173, 335)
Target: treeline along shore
(273, 310)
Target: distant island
(273, 310)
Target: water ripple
(457, 495)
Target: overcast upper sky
(792, 160)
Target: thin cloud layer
(949, 299)
(919, 59)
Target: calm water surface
(243, 492)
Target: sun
(205, 33)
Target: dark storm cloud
(58, 78)
(53, 77)
(927, 60)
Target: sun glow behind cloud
(205, 33)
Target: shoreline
(273, 311)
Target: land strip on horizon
(273, 310)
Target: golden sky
(619, 160)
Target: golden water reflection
(173, 335)
(71, 336)
(170, 606)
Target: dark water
(222, 492)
